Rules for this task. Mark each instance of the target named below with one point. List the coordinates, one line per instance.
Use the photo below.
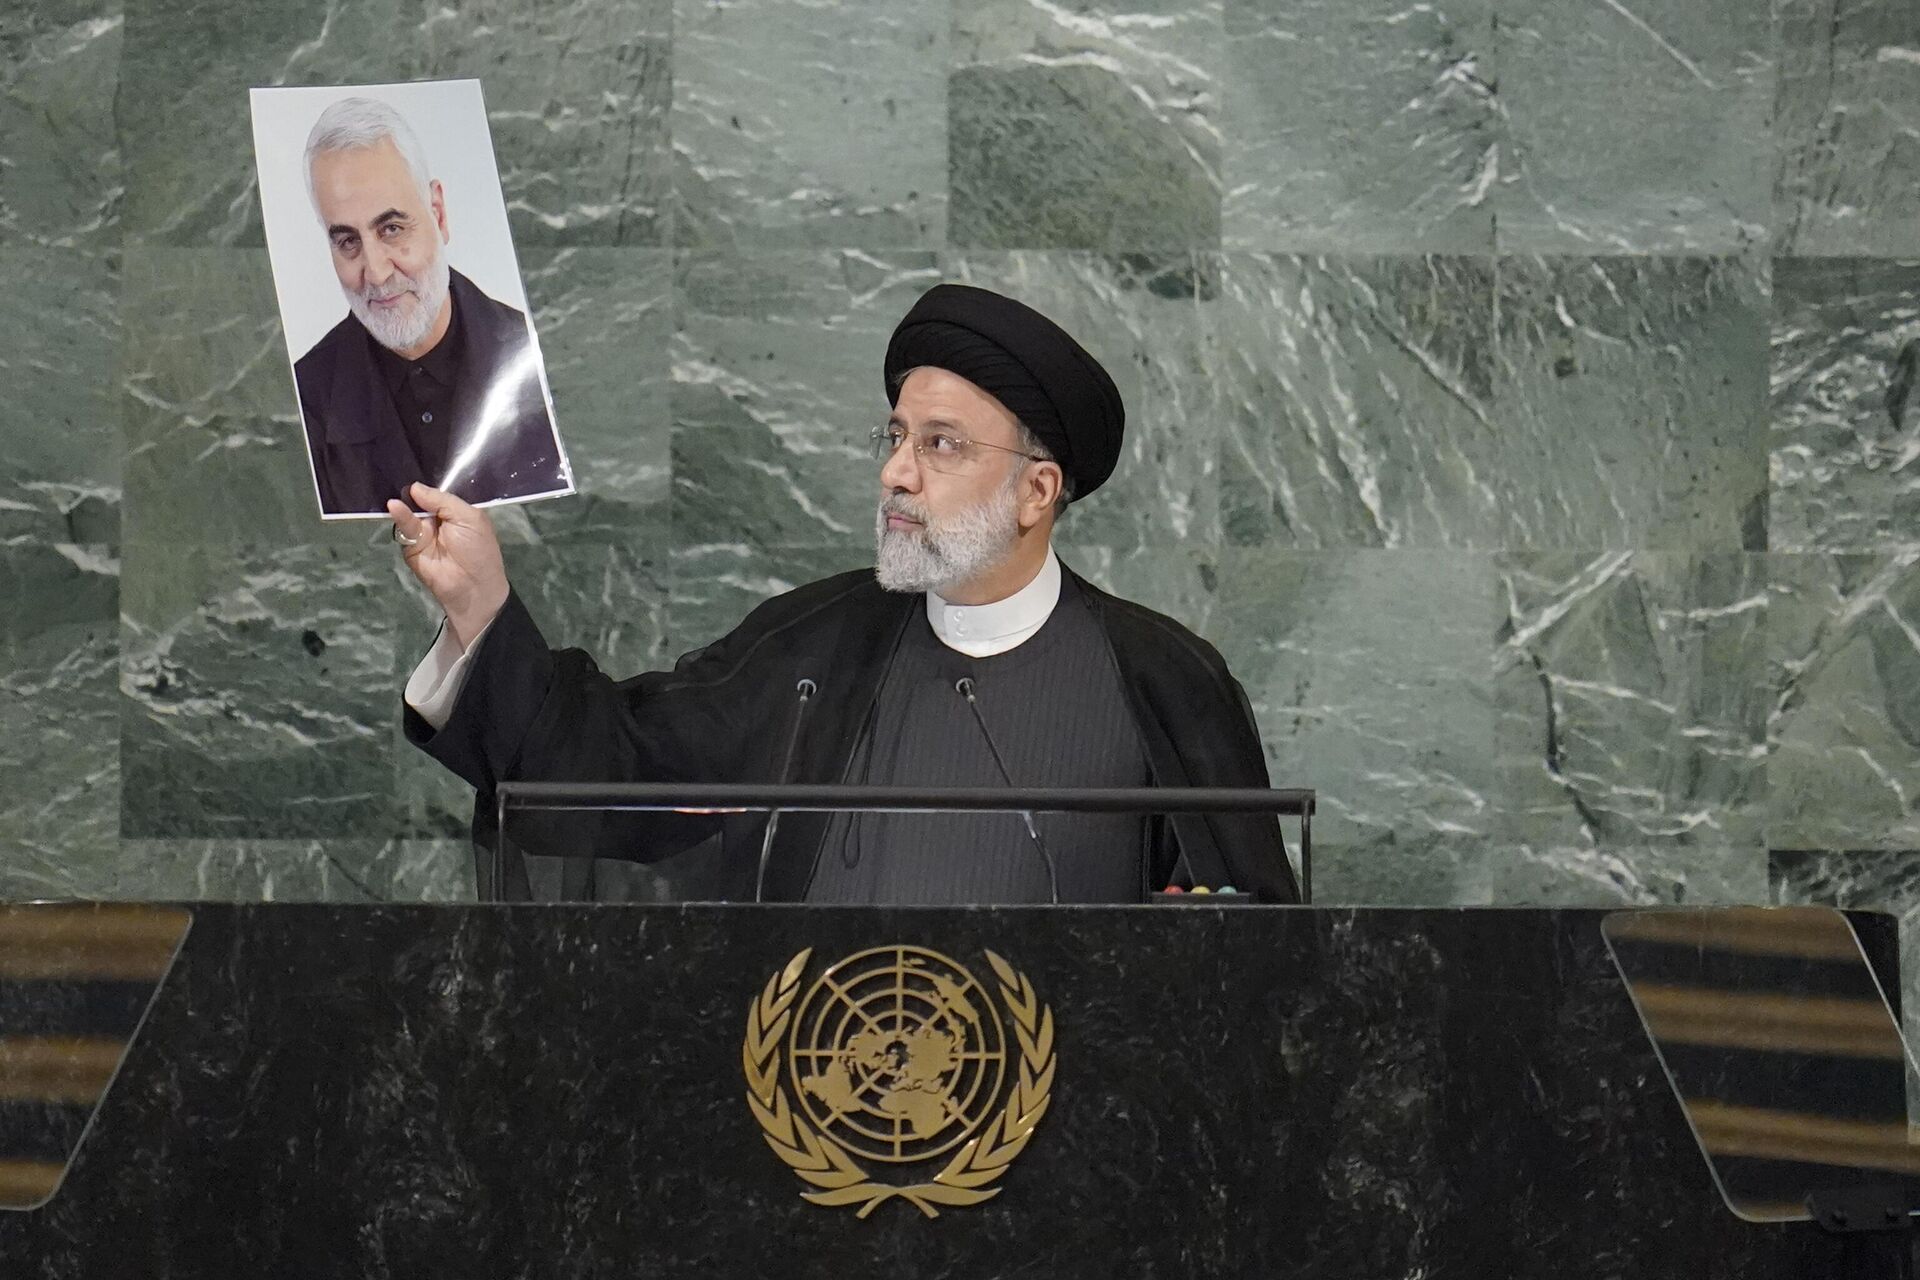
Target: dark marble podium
(553, 1091)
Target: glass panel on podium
(661, 843)
(76, 981)
(1779, 1039)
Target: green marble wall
(1523, 397)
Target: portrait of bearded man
(426, 379)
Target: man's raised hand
(456, 556)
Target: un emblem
(898, 1057)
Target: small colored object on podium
(1224, 896)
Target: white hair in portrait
(357, 124)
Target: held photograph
(412, 346)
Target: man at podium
(968, 656)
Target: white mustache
(900, 505)
(388, 291)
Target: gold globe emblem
(898, 1055)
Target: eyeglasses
(941, 450)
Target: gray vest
(1058, 713)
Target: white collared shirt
(977, 630)
(982, 630)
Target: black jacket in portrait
(725, 712)
(500, 441)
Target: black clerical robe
(497, 436)
(724, 714)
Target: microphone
(964, 687)
(806, 689)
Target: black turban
(1026, 362)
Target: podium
(1253, 1091)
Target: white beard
(408, 327)
(948, 552)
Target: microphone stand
(805, 689)
(964, 687)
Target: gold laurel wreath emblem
(969, 1177)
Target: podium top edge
(750, 797)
